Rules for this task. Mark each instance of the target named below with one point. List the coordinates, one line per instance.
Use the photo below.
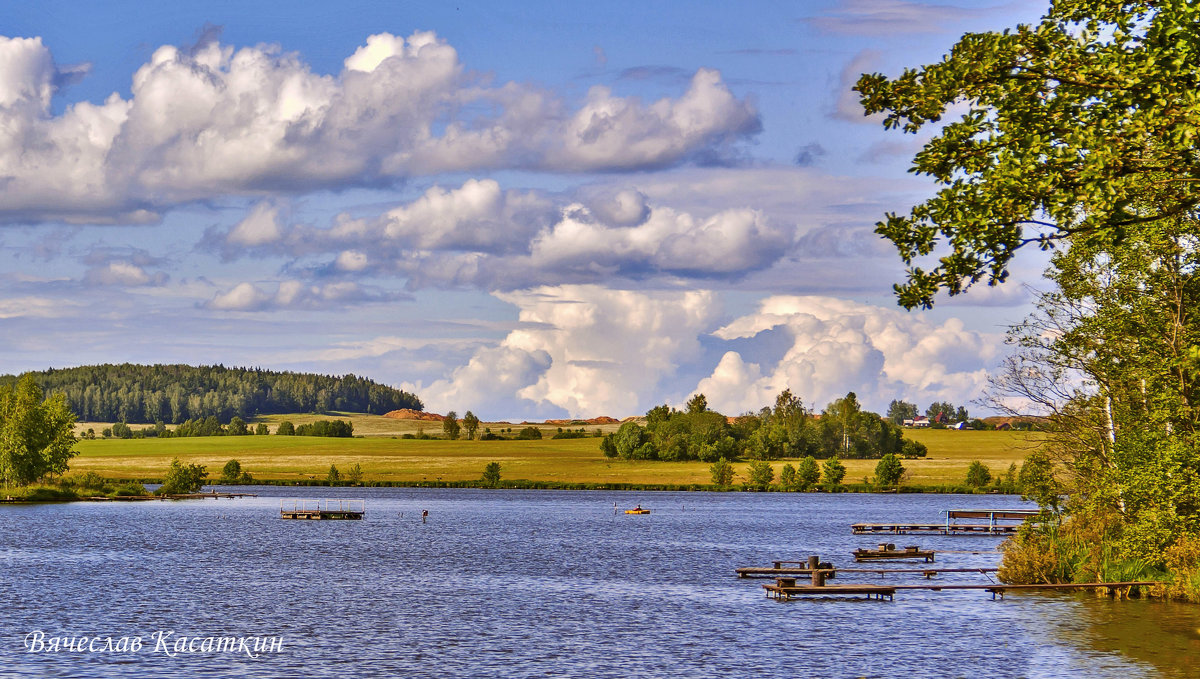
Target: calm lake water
(538, 583)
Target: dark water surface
(538, 583)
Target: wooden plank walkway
(785, 593)
(784, 590)
(934, 529)
(312, 510)
(993, 514)
(889, 552)
(766, 572)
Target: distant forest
(147, 394)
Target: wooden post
(812, 562)
(818, 577)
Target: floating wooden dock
(785, 589)
(995, 525)
(322, 510)
(786, 592)
(751, 572)
(889, 552)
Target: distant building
(918, 421)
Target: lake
(532, 583)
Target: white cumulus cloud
(293, 294)
(838, 346)
(218, 121)
(580, 349)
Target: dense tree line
(788, 430)
(175, 393)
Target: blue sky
(528, 210)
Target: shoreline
(52, 494)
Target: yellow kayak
(639, 510)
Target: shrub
(491, 473)
(889, 470)
(331, 428)
(183, 478)
(529, 434)
(760, 473)
(787, 476)
(834, 471)
(285, 428)
(232, 473)
(807, 473)
(978, 475)
(722, 472)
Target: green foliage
(787, 430)
(912, 450)
(808, 474)
(491, 474)
(1038, 482)
(787, 476)
(355, 473)
(36, 437)
(334, 475)
(121, 430)
(944, 412)
(231, 472)
(888, 471)
(978, 474)
(722, 472)
(470, 425)
(529, 434)
(450, 426)
(899, 411)
(285, 428)
(183, 478)
(174, 393)
(760, 473)
(261, 429)
(237, 427)
(833, 471)
(1066, 125)
(331, 428)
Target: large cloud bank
(214, 121)
(587, 351)
(835, 346)
(481, 236)
(583, 350)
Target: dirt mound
(410, 414)
(595, 420)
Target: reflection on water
(516, 584)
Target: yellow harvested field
(384, 458)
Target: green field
(384, 458)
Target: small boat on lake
(637, 510)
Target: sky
(528, 210)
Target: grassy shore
(548, 462)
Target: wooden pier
(889, 552)
(322, 510)
(785, 592)
(785, 589)
(996, 523)
(799, 571)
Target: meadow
(384, 456)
